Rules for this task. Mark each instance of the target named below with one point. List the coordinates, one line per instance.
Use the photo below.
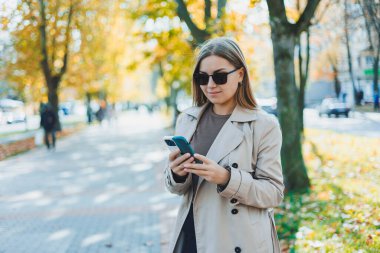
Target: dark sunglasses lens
(201, 79)
(220, 78)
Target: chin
(214, 100)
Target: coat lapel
(188, 130)
(227, 140)
(229, 137)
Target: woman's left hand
(209, 170)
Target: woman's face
(220, 94)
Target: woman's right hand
(176, 162)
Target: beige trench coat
(240, 218)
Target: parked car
(268, 104)
(12, 111)
(332, 106)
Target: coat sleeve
(266, 190)
(179, 188)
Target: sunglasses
(219, 78)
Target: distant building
(362, 60)
(365, 73)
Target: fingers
(173, 154)
(181, 159)
(201, 173)
(195, 166)
(188, 161)
(179, 168)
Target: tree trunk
(349, 57)
(372, 21)
(283, 39)
(303, 75)
(283, 36)
(54, 100)
(88, 108)
(376, 71)
(337, 85)
(53, 79)
(173, 103)
(333, 63)
(350, 69)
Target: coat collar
(239, 114)
(229, 137)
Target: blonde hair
(228, 49)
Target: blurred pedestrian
(101, 112)
(344, 97)
(376, 100)
(228, 196)
(48, 123)
(360, 96)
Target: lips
(214, 92)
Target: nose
(211, 82)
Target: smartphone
(183, 145)
(170, 143)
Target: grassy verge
(341, 212)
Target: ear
(241, 73)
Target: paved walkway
(102, 190)
(374, 116)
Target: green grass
(341, 212)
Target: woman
(228, 198)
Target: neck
(224, 109)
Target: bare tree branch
(370, 6)
(65, 57)
(221, 8)
(207, 11)
(56, 9)
(348, 49)
(371, 11)
(199, 35)
(367, 23)
(304, 21)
